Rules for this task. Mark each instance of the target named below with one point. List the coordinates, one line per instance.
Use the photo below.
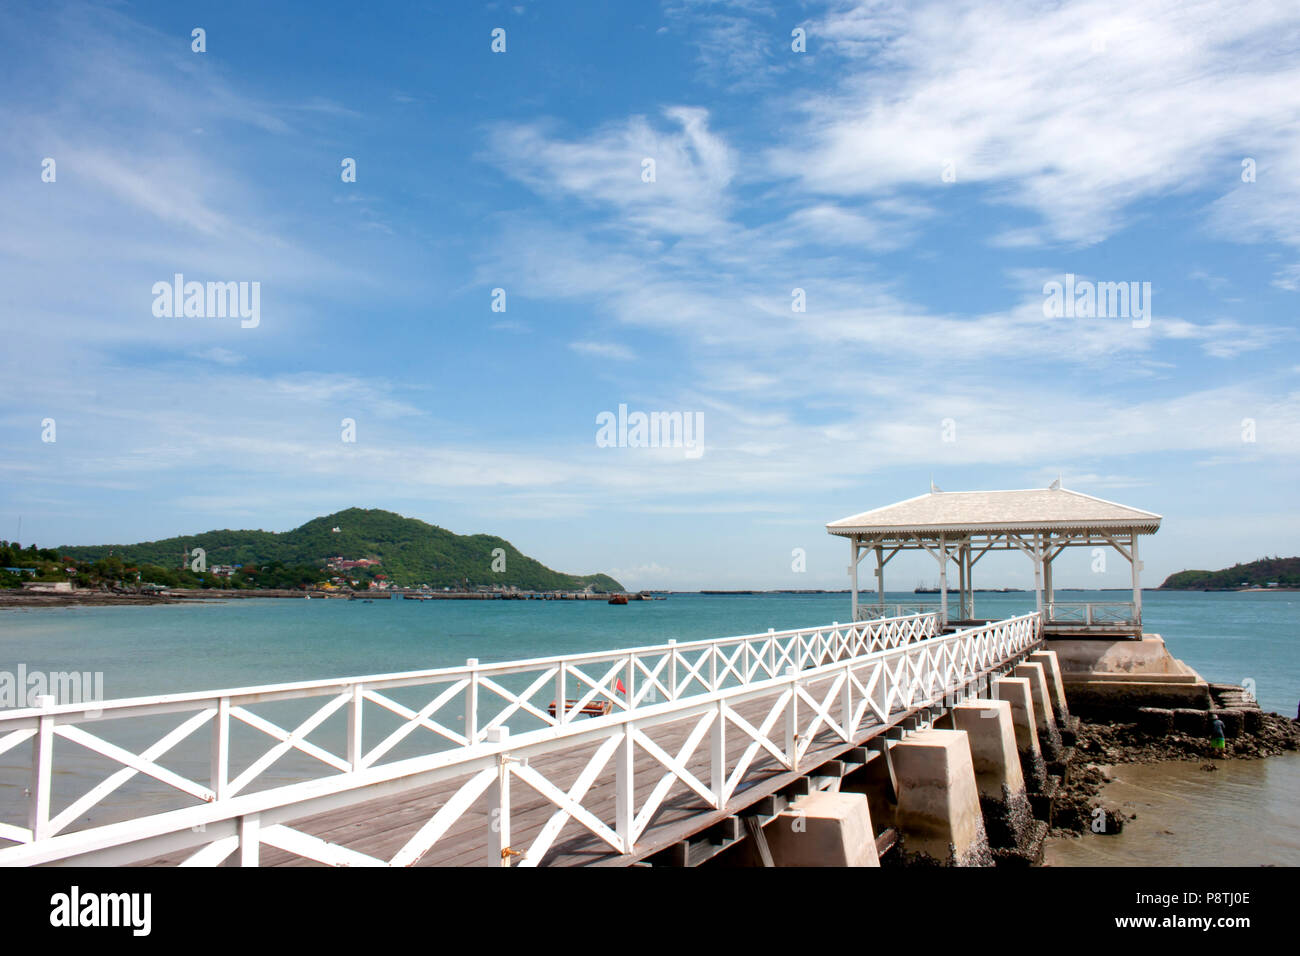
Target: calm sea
(192, 647)
(165, 648)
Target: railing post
(629, 685)
(355, 750)
(672, 669)
(250, 840)
(846, 702)
(219, 762)
(792, 720)
(38, 807)
(624, 788)
(718, 756)
(771, 647)
(498, 801)
(713, 668)
(471, 702)
(562, 693)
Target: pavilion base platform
(1096, 632)
(1114, 679)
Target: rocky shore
(79, 598)
(1157, 735)
(88, 597)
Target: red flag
(619, 686)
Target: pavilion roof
(1034, 509)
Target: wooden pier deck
(687, 739)
(381, 827)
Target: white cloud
(692, 169)
(1170, 104)
(608, 350)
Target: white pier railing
(877, 612)
(362, 724)
(836, 680)
(1092, 613)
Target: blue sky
(920, 171)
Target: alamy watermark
(24, 688)
(75, 908)
(1084, 299)
(212, 300)
(653, 430)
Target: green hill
(1284, 571)
(410, 553)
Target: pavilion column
(961, 580)
(943, 581)
(853, 579)
(1137, 577)
(880, 576)
(1049, 594)
(970, 582)
(1038, 572)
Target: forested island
(355, 549)
(1264, 573)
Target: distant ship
(922, 589)
(618, 599)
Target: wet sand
(1244, 813)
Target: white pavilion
(964, 526)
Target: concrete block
(823, 829)
(1055, 686)
(1190, 721)
(1049, 735)
(938, 800)
(1252, 721)
(1015, 690)
(1008, 816)
(1156, 720)
(992, 738)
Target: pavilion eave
(934, 530)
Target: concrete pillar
(938, 800)
(987, 724)
(1008, 817)
(1055, 686)
(823, 829)
(1015, 691)
(1049, 736)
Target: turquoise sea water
(166, 648)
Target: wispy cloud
(609, 350)
(1105, 104)
(665, 181)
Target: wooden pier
(702, 741)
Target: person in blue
(1217, 733)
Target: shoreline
(53, 599)
(1103, 745)
(95, 598)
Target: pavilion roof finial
(934, 489)
(1056, 485)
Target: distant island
(1264, 573)
(355, 549)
